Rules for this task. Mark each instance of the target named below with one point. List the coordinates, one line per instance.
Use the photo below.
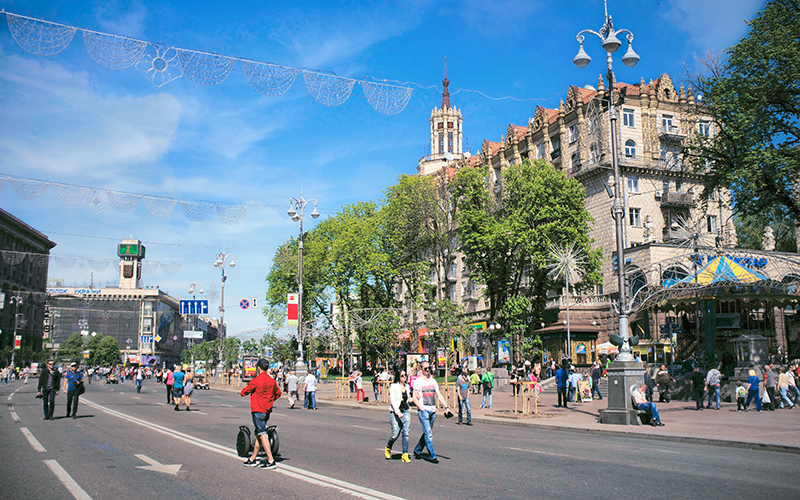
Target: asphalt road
(337, 452)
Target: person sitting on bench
(640, 398)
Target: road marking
(280, 414)
(67, 480)
(538, 452)
(14, 416)
(287, 470)
(162, 404)
(157, 467)
(227, 406)
(136, 397)
(200, 412)
(32, 440)
(10, 407)
(368, 428)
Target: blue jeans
(753, 394)
(785, 397)
(464, 403)
(596, 388)
(49, 402)
(138, 385)
(651, 408)
(400, 425)
(713, 390)
(487, 393)
(311, 400)
(426, 420)
(260, 422)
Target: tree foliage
(506, 231)
(754, 99)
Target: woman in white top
(400, 416)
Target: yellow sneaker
(405, 458)
(387, 453)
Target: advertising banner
(503, 351)
(441, 358)
(291, 313)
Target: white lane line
(200, 412)
(287, 470)
(136, 397)
(162, 404)
(368, 428)
(14, 416)
(67, 480)
(32, 440)
(227, 406)
(10, 407)
(538, 452)
(279, 414)
(10, 396)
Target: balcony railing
(580, 300)
(671, 131)
(671, 199)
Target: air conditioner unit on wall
(658, 194)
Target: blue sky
(65, 119)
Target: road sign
(145, 339)
(193, 307)
(253, 303)
(17, 341)
(192, 334)
(158, 338)
(244, 304)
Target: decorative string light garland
(162, 64)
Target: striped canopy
(723, 269)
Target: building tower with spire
(446, 134)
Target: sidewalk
(768, 430)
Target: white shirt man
(426, 392)
(310, 388)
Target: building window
(630, 149)
(573, 134)
(147, 325)
(556, 144)
(540, 150)
(453, 292)
(665, 187)
(627, 118)
(449, 124)
(666, 122)
(635, 216)
(593, 154)
(450, 142)
(704, 128)
(441, 142)
(633, 184)
(678, 186)
(712, 224)
(576, 163)
(440, 125)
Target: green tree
(446, 322)
(754, 100)
(750, 230)
(71, 349)
(379, 338)
(107, 353)
(506, 231)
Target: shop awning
(724, 270)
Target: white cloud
(122, 18)
(712, 25)
(53, 120)
(498, 18)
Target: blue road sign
(145, 339)
(194, 307)
(244, 304)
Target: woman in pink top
(168, 380)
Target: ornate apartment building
(660, 189)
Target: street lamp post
(296, 209)
(220, 263)
(17, 301)
(624, 371)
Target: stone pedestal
(300, 369)
(621, 376)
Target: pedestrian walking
(596, 380)
(72, 381)
(562, 378)
(487, 380)
(359, 386)
(663, 378)
(49, 383)
(263, 392)
(783, 387)
(177, 387)
(462, 383)
(741, 393)
(426, 393)
(475, 382)
(698, 387)
(648, 382)
(188, 389)
(769, 385)
(168, 381)
(752, 392)
(26, 373)
(399, 414)
(291, 386)
(310, 389)
(573, 380)
(139, 379)
(713, 378)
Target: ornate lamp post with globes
(296, 209)
(219, 262)
(624, 371)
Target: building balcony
(672, 132)
(671, 199)
(555, 155)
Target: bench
(644, 416)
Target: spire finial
(445, 84)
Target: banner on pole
(291, 316)
(17, 341)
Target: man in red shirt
(263, 391)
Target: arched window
(630, 149)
